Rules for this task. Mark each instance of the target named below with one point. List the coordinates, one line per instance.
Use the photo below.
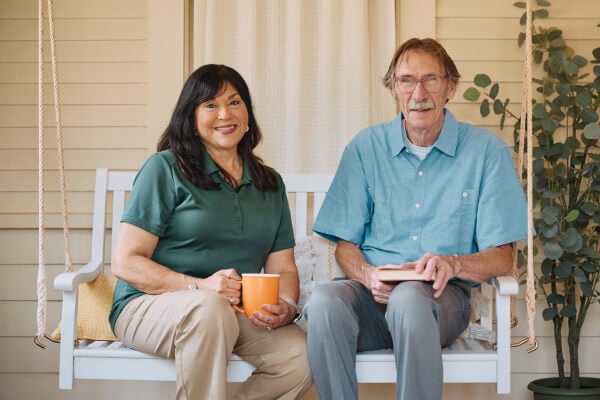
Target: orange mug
(258, 289)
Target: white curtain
(314, 68)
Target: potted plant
(566, 189)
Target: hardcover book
(392, 274)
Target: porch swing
(89, 350)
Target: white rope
(41, 278)
(59, 141)
(526, 136)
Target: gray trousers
(343, 319)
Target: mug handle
(238, 308)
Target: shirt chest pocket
(462, 218)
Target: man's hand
(380, 290)
(443, 267)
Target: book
(392, 274)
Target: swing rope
(41, 276)
(526, 136)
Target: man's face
(423, 109)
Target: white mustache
(420, 105)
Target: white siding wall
(121, 66)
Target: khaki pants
(200, 330)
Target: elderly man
(422, 192)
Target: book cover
(392, 274)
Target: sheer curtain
(314, 68)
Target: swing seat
(467, 360)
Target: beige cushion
(94, 304)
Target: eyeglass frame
(422, 81)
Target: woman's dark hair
(182, 138)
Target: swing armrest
(505, 285)
(68, 281)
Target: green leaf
(494, 90)
(523, 19)
(589, 208)
(580, 276)
(596, 53)
(554, 34)
(553, 250)
(584, 99)
(537, 56)
(482, 80)
(541, 13)
(591, 131)
(570, 68)
(539, 111)
(564, 269)
(521, 39)
(484, 108)
(550, 214)
(549, 313)
(471, 94)
(589, 267)
(543, 3)
(588, 115)
(498, 107)
(568, 311)
(580, 61)
(572, 215)
(555, 298)
(550, 231)
(563, 88)
(547, 266)
(596, 83)
(520, 4)
(549, 125)
(587, 289)
(572, 240)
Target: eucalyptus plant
(566, 179)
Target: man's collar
(446, 141)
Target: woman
(203, 210)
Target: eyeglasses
(431, 83)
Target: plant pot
(547, 389)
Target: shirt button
(465, 194)
(414, 237)
(420, 173)
(417, 205)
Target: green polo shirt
(202, 231)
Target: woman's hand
(282, 314)
(226, 282)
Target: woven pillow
(316, 264)
(94, 304)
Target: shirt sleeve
(152, 198)
(347, 208)
(502, 209)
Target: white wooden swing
(468, 360)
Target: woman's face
(222, 121)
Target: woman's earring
(247, 129)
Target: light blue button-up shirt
(463, 197)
